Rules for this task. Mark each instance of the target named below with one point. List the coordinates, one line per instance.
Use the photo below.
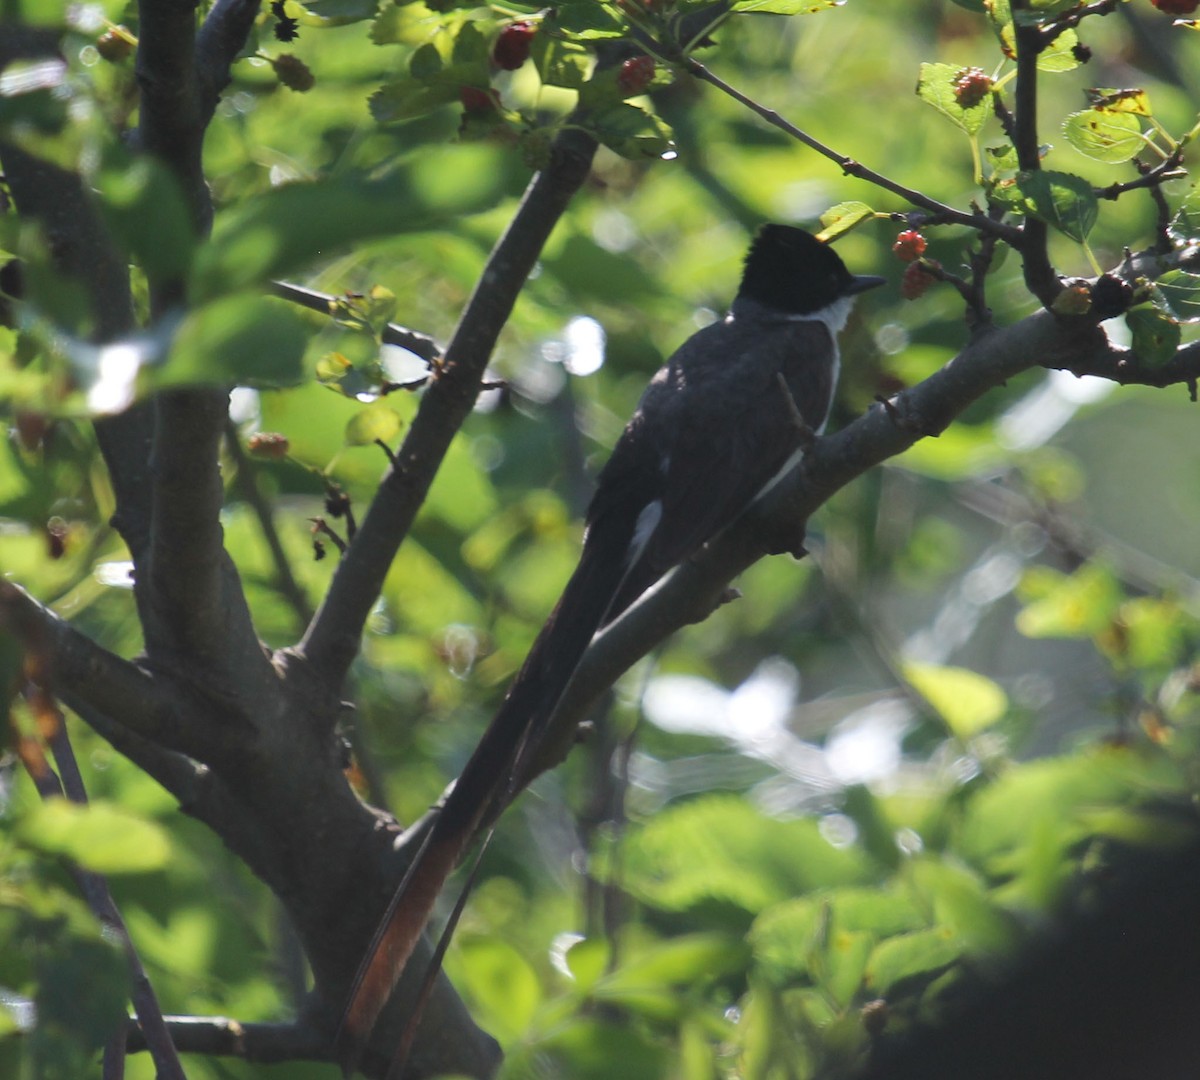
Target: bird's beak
(863, 282)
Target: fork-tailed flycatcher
(716, 427)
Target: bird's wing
(731, 425)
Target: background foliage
(807, 823)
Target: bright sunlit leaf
(99, 836)
(967, 701)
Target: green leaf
(783, 7)
(144, 207)
(921, 954)
(961, 902)
(405, 98)
(99, 836)
(1180, 292)
(587, 960)
(875, 832)
(560, 63)
(1059, 55)
(1062, 200)
(1102, 135)
(968, 702)
(426, 63)
(936, 87)
(247, 340)
(470, 47)
(1156, 335)
(719, 849)
(328, 13)
(584, 1048)
(1185, 225)
(378, 422)
(842, 218)
(630, 131)
(270, 235)
(1078, 605)
(501, 983)
(588, 21)
(1003, 158)
(682, 961)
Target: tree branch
(170, 125)
(220, 39)
(1040, 278)
(414, 341)
(81, 667)
(333, 637)
(222, 1037)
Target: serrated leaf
(407, 98)
(426, 62)
(1106, 136)
(1059, 55)
(842, 218)
(1135, 101)
(630, 131)
(1156, 335)
(936, 87)
(99, 836)
(1003, 158)
(1062, 200)
(923, 953)
(1185, 225)
(585, 22)
(377, 422)
(967, 701)
(470, 46)
(560, 63)
(1180, 292)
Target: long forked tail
(483, 786)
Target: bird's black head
(790, 270)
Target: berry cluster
(635, 75)
(268, 444)
(972, 85)
(909, 245)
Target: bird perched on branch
(730, 413)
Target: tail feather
(483, 786)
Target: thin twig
(414, 341)
(95, 889)
(1071, 19)
(219, 1036)
(1167, 169)
(247, 484)
(850, 166)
